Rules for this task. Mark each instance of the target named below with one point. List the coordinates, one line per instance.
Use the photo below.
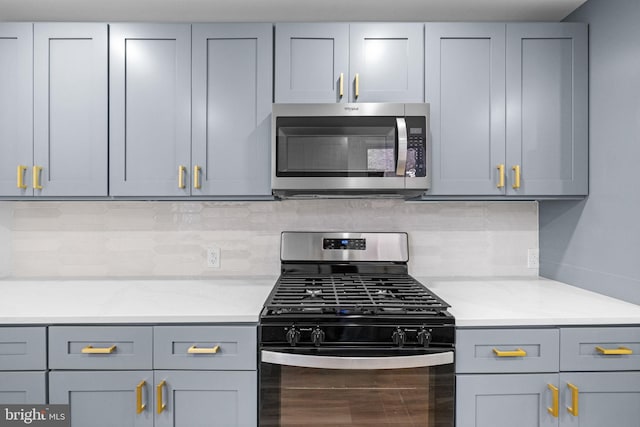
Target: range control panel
(342, 244)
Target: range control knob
(399, 337)
(424, 337)
(293, 336)
(317, 336)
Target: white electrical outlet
(533, 258)
(213, 257)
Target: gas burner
(313, 293)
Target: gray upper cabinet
(312, 62)
(547, 108)
(509, 109)
(231, 98)
(368, 62)
(465, 75)
(53, 121)
(150, 115)
(70, 110)
(16, 107)
(386, 62)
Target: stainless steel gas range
(349, 338)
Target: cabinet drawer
(507, 350)
(205, 347)
(600, 349)
(100, 347)
(23, 349)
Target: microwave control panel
(416, 147)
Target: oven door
(357, 387)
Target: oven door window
(303, 396)
(336, 146)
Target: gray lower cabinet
(53, 112)
(509, 108)
(590, 376)
(341, 62)
(23, 364)
(169, 376)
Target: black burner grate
(352, 294)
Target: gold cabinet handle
(614, 351)
(555, 396)
(500, 175)
(341, 85)
(20, 177)
(196, 177)
(181, 171)
(516, 182)
(510, 353)
(98, 350)
(357, 82)
(203, 350)
(36, 177)
(161, 406)
(140, 407)
(573, 409)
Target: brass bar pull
(516, 170)
(555, 396)
(161, 405)
(573, 409)
(20, 177)
(196, 177)
(36, 177)
(614, 351)
(98, 350)
(203, 350)
(357, 82)
(510, 353)
(500, 175)
(181, 172)
(139, 405)
(341, 85)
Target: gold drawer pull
(500, 175)
(517, 175)
(510, 353)
(573, 409)
(160, 404)
(37, 171)
(554, 410)
(614, 351)
(98, 350)
(20, 177)
(139, 405)
(203, 350)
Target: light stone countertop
(476, 302)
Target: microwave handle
(352, 363)
(401, 125)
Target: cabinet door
(70, 109)
(104, 399)
(465, 87)
(547, 111)
(232, 81)
(16, 107)
(150, 99)
(207, 398)
(309, 62)
(22, 387)
(505, 400)
(386, 62)
(603, 399)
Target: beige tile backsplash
(169, 239)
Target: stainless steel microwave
(344, 150)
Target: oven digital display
(341, 244)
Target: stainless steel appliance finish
(347, 150)
(347, 334)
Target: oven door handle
(352, 363)
(401, 166)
